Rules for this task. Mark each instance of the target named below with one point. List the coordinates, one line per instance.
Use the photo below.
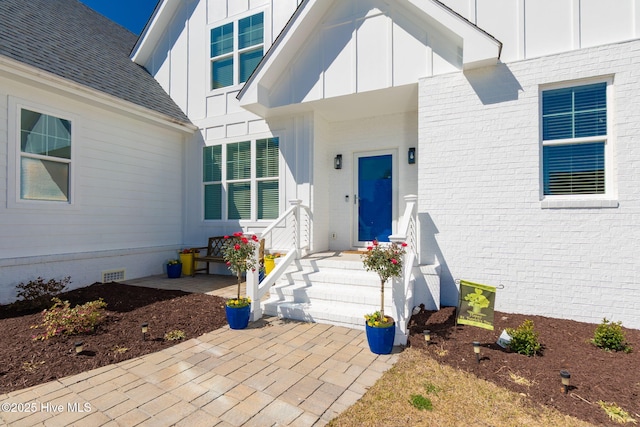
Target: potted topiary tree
(239, 254)
(386, 261)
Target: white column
(252, 286)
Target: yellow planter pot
(187, 264)
(269, 265)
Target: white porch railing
(290, 234)
(403, 292)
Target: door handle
(355, 199)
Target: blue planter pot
(238, 318)
(174, 271)
(381, 339)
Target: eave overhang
(479, 49)
(38, 78)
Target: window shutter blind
(268, 200)
(575, 112)
(574, 169)
(239, 160)
(212, 163)
(222, 40)
(222, 73)
(248, 62)
(213, 201)
(250, 31)
(43, 180)
(239, 200)
(267, 157)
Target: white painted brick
(479, 185)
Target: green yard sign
(476, 305)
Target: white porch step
(332, 292)
(326, 288)
(344, 314)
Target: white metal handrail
(291, 234)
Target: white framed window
(236, 49)
(241, 180)
(576, 144)
(43, 156)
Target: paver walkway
(274, 373)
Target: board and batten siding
(480, 190)
(126, 205)
(531, 28)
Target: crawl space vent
(112, 276)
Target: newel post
(297, 231)
(252, 285)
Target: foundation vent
(112, 276)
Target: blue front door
(375, 202)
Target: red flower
(369, 248)
(404, 245)
(245, 240)
(375, 243)
(394, 261)
(226, 237)
(254, 238)
(237, 234)
(237, 247)
(228, 262)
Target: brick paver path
(275, 373)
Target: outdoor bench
(215, 253)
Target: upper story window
(575, 141)
(236, 50)
(45, 157)
(241, 180)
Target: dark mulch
(127, 308)
(595, 374)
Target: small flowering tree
(239, 254)
(386, 261)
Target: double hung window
(236, 50)
(241, 180)
(575, 139)
(45, 157)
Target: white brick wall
(479, 197)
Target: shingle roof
(67, 38)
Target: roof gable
(70, 40)
(333, 48)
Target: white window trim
(253, 221)
(15, 105)
(266, 41)
(609, 198)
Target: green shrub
(524, 339)
(610, 336)
(39, 292)
(174, 335)
(61, 319)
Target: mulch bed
(595, 374)
(26, 362)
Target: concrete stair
(328, 288)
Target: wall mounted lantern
(411, 155)
(337, 162)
